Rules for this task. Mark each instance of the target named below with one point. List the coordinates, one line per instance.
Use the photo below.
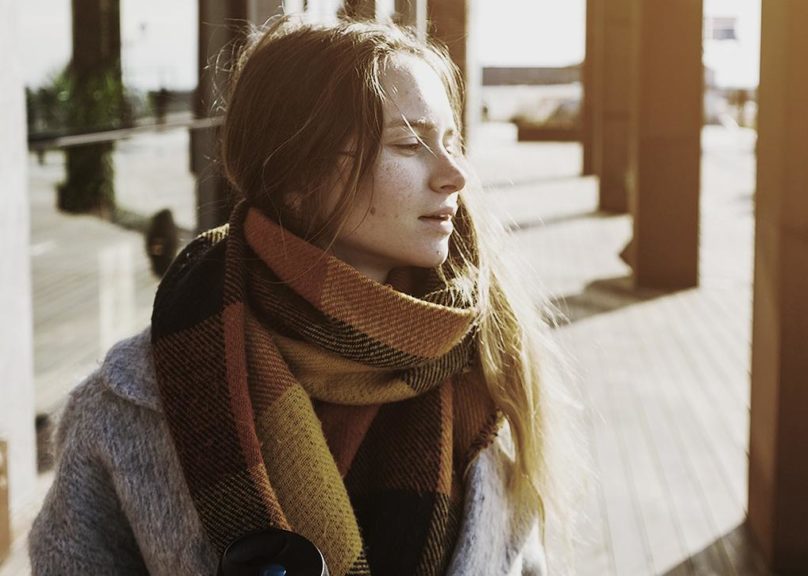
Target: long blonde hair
(301, 92)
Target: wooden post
(453, 23)
(614, 77)
(590, 90)
(217, 28)
(778, 445)
(259, 11)
(412, 13)
(96, 103)
(360, 9)
(665, 151)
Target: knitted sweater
(119, 503)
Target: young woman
(346, 360)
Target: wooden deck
(665, 376)
(91, 286)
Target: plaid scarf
(302, 395)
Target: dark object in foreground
(45, 458)
(272, 552)
(161, 241)
(88, 187)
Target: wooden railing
(50, 141)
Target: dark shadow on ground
(602, 296)
(516, 226)
(734, 553)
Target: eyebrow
(415, 123)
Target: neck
(377, 274)
(375, 269)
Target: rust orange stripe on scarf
(340, 291)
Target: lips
(443, 214)
(440, 221)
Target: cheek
(393, 190)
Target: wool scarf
(302, 395)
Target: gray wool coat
(119, 503)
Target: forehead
(414, 91)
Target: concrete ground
(664, 376)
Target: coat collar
(128, 371)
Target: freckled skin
(419, 170)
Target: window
(721, 28)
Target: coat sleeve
(81, 528)
(534, 560)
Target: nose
(448, 175)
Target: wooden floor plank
(626, 532)
(597, 557)
(705, 486)
(723, 422)
(663, 538)
(667, 410)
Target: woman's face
(404, 209)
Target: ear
(293, 202)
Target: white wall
(16, 349)
(159, 44)
(45, 38)
(530, 32)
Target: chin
(430, 260)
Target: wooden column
(220, 24)
(218, 27)
(666, 143)
(778, 447)
(453, 23)
(16, 340)
(412, 13)
(614, 77)
(96, 102)
(590, 90)
(96, 38)
(259, 11)
(360, 9)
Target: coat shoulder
(119, 503)
(128, 371)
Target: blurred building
(732, 43)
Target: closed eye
(409, 146)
